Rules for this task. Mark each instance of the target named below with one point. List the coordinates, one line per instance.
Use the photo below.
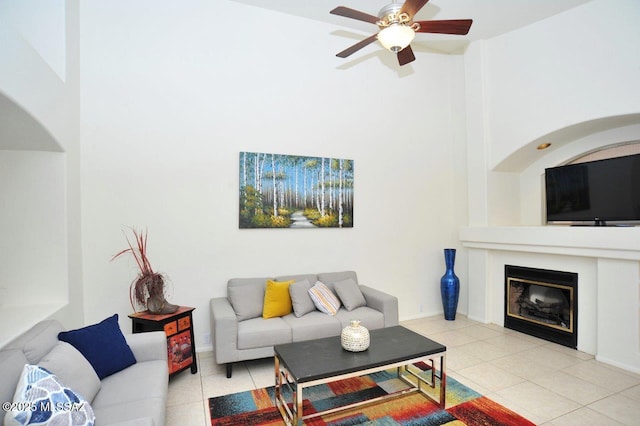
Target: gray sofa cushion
(313, 325)
(329, 278)
(300, 299)
(150, 412)
(247, 296)
(312, 278)
(38, 341)
(72, 369)
(259, 332)
(119, 388)
(369, 318)
(349, 293)
(120, 397)
(11, 364)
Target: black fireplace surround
(542, 303)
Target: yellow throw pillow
(277, 301)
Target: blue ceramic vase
(449, 286)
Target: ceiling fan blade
(357, 46)
(354, 14)
(452, 26)
(406, 55)
(411, 7)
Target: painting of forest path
(289, 191)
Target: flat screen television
(597, 192)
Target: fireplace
(542, 303)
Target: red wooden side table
(178, 327)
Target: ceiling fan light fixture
(396, 37)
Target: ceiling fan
(397, 27)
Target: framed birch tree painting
(288, 191)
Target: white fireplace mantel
(607, 260)
(591, 241)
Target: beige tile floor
(547, 383)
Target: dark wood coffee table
(309, 363)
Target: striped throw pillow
(324, 299)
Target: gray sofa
(135, 396)
(239, 332)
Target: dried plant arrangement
(147, 290)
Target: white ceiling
(490, 17)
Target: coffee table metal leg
(278, 385)
(281, 380)
(297, 400)
(406, 370)
(443, 381)
(294, 415)
(276, 365)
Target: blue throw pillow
(103, 345)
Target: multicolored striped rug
(464, 405)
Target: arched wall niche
(613, 136)
(586, 133)
(516, 186)
(19, 130)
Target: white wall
(33, 228)
(171, 93)
(42, 25)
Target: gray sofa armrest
(383, 302)
(148, 346)
(224, 330)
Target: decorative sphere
(355, 337)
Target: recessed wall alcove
(33, 222)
